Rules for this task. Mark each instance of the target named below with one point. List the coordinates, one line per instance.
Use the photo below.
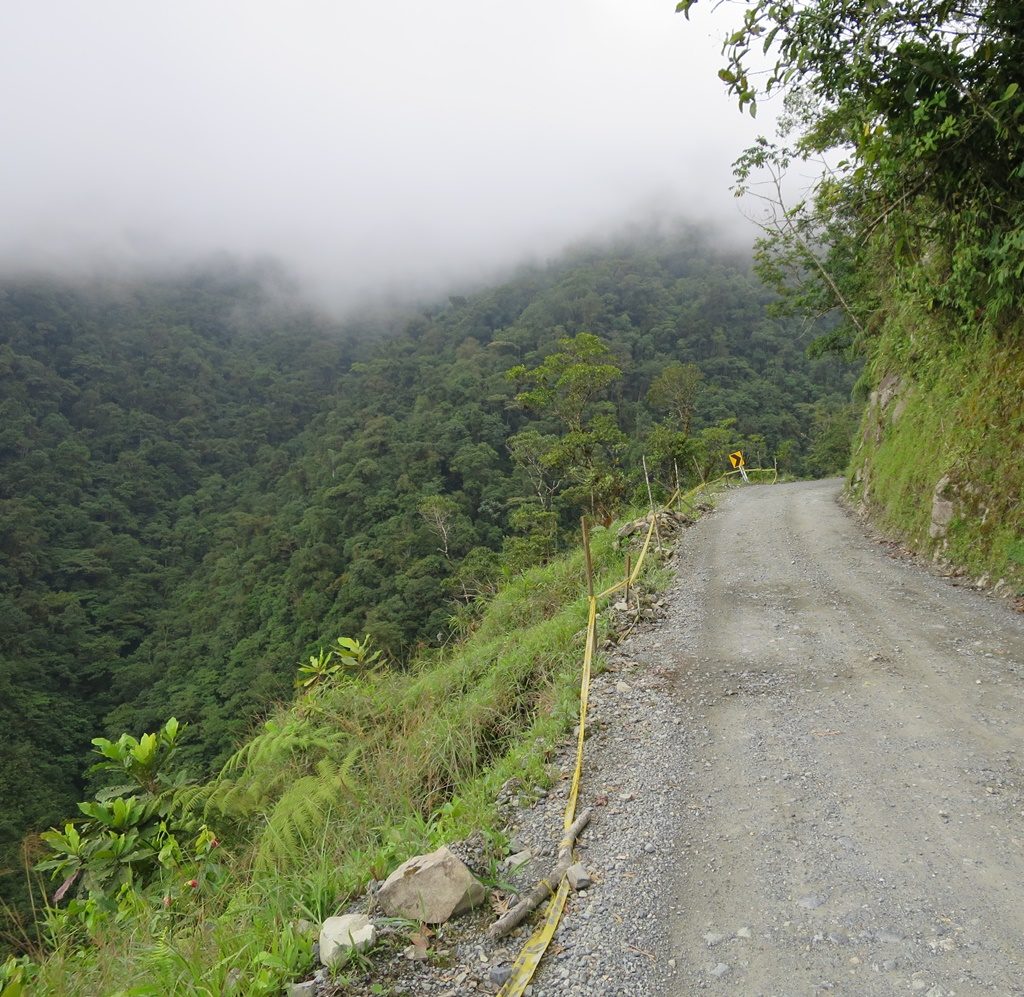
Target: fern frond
(191, 799)
(264, 768)
(300, 818)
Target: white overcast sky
(370, 144)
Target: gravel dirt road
(808, 775)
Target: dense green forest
(200, 481)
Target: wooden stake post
(650, 498)
(586, 555)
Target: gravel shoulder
(807, 775)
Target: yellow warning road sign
(737, 459)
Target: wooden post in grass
(650, 498)
(586, 555)
(629, 571)
(700, 474)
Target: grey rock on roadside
(518, 860)
(579, 878)
(430, 888)
(339, 935)
(499, 974)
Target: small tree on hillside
(567, 382)
(441, 514)
(565, 385)
(675, 391)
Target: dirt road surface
(861, 797)
(814, 774)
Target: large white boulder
(430, 888)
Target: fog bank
(375, 148)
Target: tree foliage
(587, 456)
(675, 391)
(566, 382)
(921, 101)
(134, 833)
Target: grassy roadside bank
(937, 461)
(338, 788)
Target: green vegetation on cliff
(936, 456)
(913, 237)
(366, 768)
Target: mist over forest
(379, 151)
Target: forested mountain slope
(199, 483)
(135, 420)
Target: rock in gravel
(304, 989)
(713, 938)
(339, 935)
(744, 933)
(430, 888)
(499, 974)
(812, 901)
(518, 860)
(579, 878)
(719, 971)
(623, 687)
(888, 937)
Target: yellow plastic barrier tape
(533, 951)
(618, 586)
(588, 657)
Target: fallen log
(546, 887)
